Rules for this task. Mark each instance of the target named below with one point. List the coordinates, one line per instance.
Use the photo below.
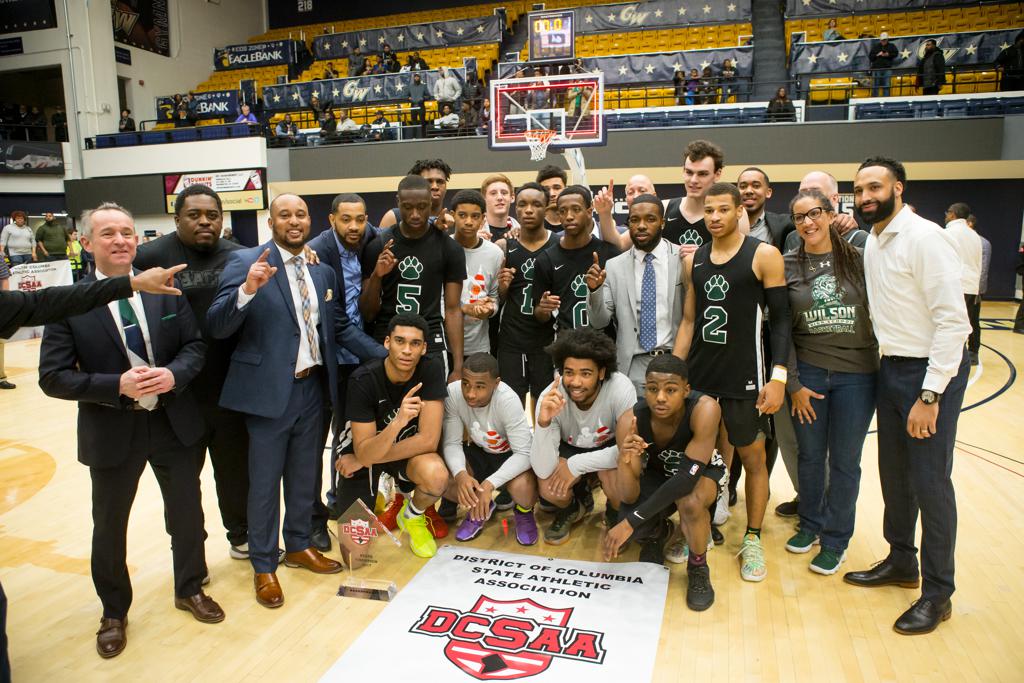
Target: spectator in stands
(59, 121)
(448, 120)
(377, 65)
(182, 119)
(931, 70)
(246, 115)
(329, 72)
(780, 107)
(692, 86)
(75, 256)
(380, 127)
(391, 64)
(474, 90)
(418, 94)
(447, 90)
(365, 69)
(355, 62)
(1010, 64)
(18, 240)
(37, 123)
(346, 124)
(286, 128)
(832, 33)
(679, 88)
(727, 79)
(328, 127)
(317, 107)
(417, 63)
(485, 118)
(22, 119)
(52, 239)
(127, 123)
(469, 118)
(387, 54)
(708, 91)
(882, 55)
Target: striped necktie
(307, 309)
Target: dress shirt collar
(763, 216)
(659, 252)
(898, 222)
(958, 223)
(287, 256)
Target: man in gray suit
(639, 289)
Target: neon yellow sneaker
(420, 539)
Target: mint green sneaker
(827, 561)
(420, 539)
(801, 542)
(751, 554)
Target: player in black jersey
(437, 173)
(554, 180)
(396, 407)
(405, 270)
(728, 283)
(561, 271)
(664, 465)
(523, 364)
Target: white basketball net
(538, 139)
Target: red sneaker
(389, 518)
(437, 526)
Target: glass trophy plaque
(360, 535)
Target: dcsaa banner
(255, 54)
(31, 277)
(491, 616)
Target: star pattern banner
(657, 67)
(343, 92)
(412, 37)
(255, 54)
(18, 16)
(641, 16)
(958, 49)
(817, 8)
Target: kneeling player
(396, 409)
(665, 464)
(497, 451)
(579, 418)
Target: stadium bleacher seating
(941, 20)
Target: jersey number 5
(714, 331)
(408, 299)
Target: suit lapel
(281, 278)
(106, 321)
(673, 278)
(153, 307)
(630, 278)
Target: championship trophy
(359, 533)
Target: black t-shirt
(678, 230)
(372, 397)
(520, 331)
(665, 459)
(416, 284)
(199, 283)
(562, 272)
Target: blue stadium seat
(214, 132)
(655, 119)
(680, 118)
(184, 135)
(105, 141)
(127, 139)
(871, 110)
(984, 108)
(757, 115)
(704, 118)
(154, 137)
(631, 120)
(728, 117)
(1014, 105)
(954, 108)
(238, 130)
(926, 110)
(897, 110)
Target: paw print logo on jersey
(579, 286)
(716, 287)
(527, 269)
(477, 286)
(410, 430)
(488, 439)
(410, 268)
(691, 237)
(671, 459)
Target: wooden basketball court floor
(795, 626)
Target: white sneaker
(722, 512)
(678, 551)
(239, 552)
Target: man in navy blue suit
(281, 374)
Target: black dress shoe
(4, 384)
(716, 535)
(924, 616)
(883, 574)
(320, 539)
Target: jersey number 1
(408, 299)
(714, 331)
(527, 307)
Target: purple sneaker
(471, 528)
(526, 528)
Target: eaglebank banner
(255, 54)
(490, 616)
(241, 190)
(641, 16)
(29, 277)
(413, 37)
(342, 92)
(212, 104)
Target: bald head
(287, 197)
(823, 182)
(638, 185)
(289, 222)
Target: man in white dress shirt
(917, 308)
(968, 246)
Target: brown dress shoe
(111, 638)
(268, 590)
(202, 607)
(311, 559)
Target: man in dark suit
(340, 247)
(129, 367)
(281, 374)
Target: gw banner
(641, 16)
(412, 37)
(817, 8)
(143, 24)
(19, 16)
(487, 615)
(958, 49)
(343, 92)
(255, 54)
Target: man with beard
(560, 272)
(604, 204)
(931, 70)
(639, 290)
(437, 173)
(845, 224)
(198, 220)
(920, 319)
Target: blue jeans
(18, 259)
(881, 85)
(830, 450)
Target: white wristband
(779, 374)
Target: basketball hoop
(538, 139)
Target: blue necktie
(648, 306)
(133, 334)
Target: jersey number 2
(408, 299)
(714, 331)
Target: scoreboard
(552, 36)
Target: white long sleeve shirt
(968, 246)
(914, 295)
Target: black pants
(915, 473)
(973, 302)
(227, 440)
(113, 491)
(933, 90)
(526, 372)
(336, 419)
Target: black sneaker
(789, 508)
(448, 510)
(4, 384)
(732, 497)
(652, 549)
(611, 516)
(545, 506)
(557, 532)
(587, 500)
(699, 593)
(716, 535)
(504, 501)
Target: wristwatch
(928, 397)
